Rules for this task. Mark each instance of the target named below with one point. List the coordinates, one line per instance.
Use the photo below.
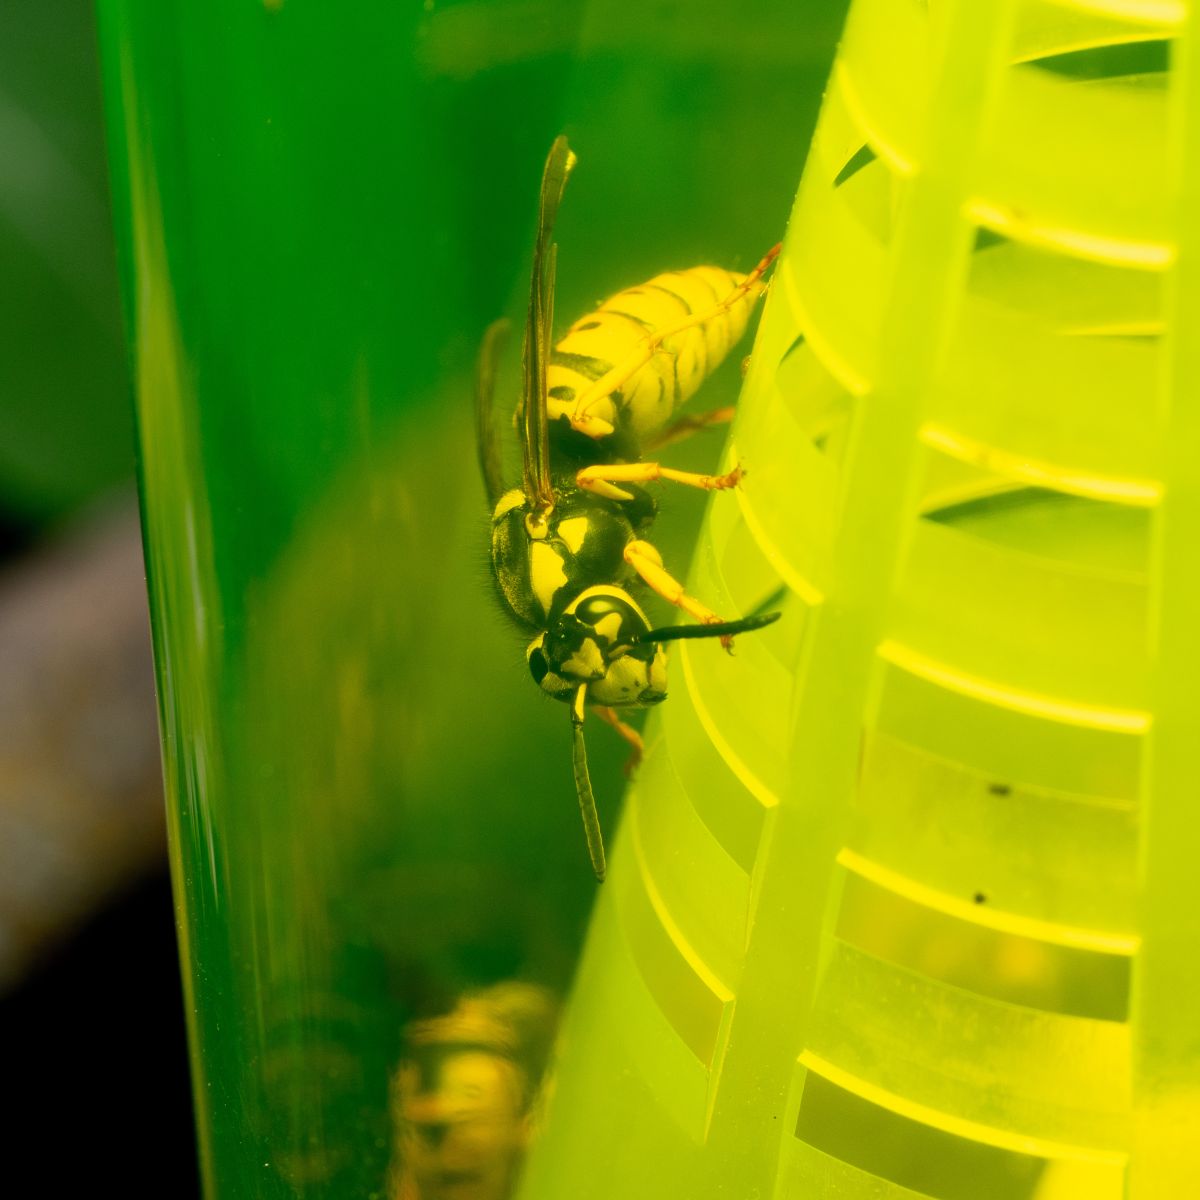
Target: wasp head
(596, 641)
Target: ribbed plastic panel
(906, 901)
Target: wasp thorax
(596, 642)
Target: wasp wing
(485, 388)
(535, 442)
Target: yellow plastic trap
(906, 899)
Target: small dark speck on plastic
(980, 898)
(999, 789)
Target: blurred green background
(91, 1029)
(65, 424)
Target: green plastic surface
(906, 899)
(320, 207)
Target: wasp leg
(631, 735)
(600, 478)
(651, 344)
(686, 426)
(647, 562)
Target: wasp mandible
(569, 544)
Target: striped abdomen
(616, 331)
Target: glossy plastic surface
(906, 900)
(320, 209)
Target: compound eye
(545, 675)
(539, 668)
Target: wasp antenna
(583, 786)
(673, 633)
(767, 603)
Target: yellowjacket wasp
(570, 541)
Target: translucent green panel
(746, 580)
(1032, 1074)
(1017, 738)
(1025, 417)
(687, 992)
(611, 977)
(884, 70)
(1068, 294)
(1062, 859)
(805, 1171)
(970, 968)
(1079, 166)
(694, 876)
(1054, 26)
(1021, 623)
(980, 949)
(1166, 1054)
(833, 286)
(1107, 540)
(843, 1117)
(775, 335)
(815, 399)
(752, 736)
(774, 505)
(1097, 442)
(733, 803)
(1095, 187)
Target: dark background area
(91, 1014)
(94, 1049)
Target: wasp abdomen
(615, 330)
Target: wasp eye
(538, 666)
